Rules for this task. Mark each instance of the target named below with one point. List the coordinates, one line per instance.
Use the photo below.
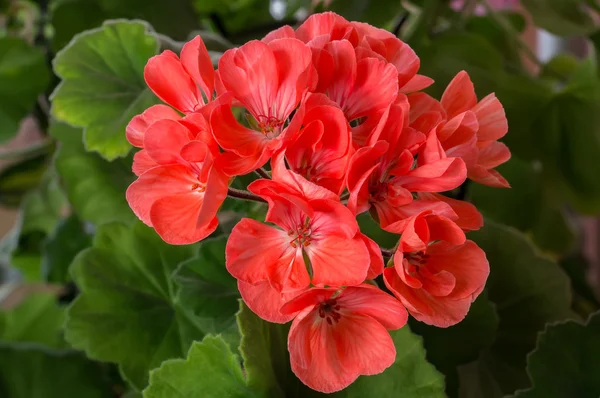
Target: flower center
(199, 187)
(301, 235)
(328, 310)
(378, 191)
(416, 260)
(269, 126)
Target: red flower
(321, 151)
(322, 229)
(340, 335)
(384, 176)
(180, 194)
(186, 83)
(436, 274)
(471, 129)
(268, 80)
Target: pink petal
(487, 177)
(495, 154)
(468, 217)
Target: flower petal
(164, 140)
(459, 96)
(196, 61)
(137, 127)
(492, 119)
(360, 300)
(156, 183)
(142, 162)
(337, 261)
(265, 301)
(167, 78)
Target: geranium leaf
(102, 84)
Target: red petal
(376, 264)
(142, 163)
(459, 96)
(253, 248)
(438, 311)
(164, 140)
(175, 219)
(467, 263)
(156, 183)
(492, 120)
(250, 72)
(374, 88)
(293, 60)
(196, 61)
(338, 261)
(487, 177)
(139, 124)
(388, 311)
(168, 79)
(232, 136)
(265, 301)
(493, 155)
(281, 33)
(468, 216)
(417, 83)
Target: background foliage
(139, 317)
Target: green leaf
(486, 27)
(410, 375)
(528, 290)
(449, 347)
(561, 17)
(127, 311)
(102, 84)
(60, 248)
(23, 76)
(42, 208)
(95, 187)
(449, 53)
(19, 178)
(211, 370)
(208, 290)
(34, 372)
(37, 319)
(566, 361)
(526, 207)
(524, 100)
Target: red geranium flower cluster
(334, 107)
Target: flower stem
(245, 195)
(386, 252)
(263, 173)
